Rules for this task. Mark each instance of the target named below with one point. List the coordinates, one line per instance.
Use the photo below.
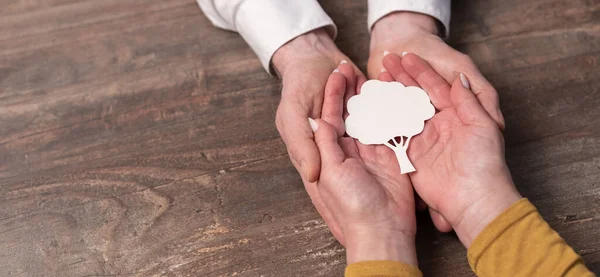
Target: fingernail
(343, 62)
(336, 70)
(464, 81)
(313, 124)
(383, 70)
(404, 54)
(385, 53)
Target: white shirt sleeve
(266, 25)
(439, 9)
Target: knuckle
(439, 88)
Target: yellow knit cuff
(382, 269)
(494, 230)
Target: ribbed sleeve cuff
(382, 269)
(497, 228)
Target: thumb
(299, 140)
(327, 142)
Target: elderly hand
(304, 65)
(417, 33)
(361, 185)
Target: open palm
(369, 187)
(452, 155)
(460, 151)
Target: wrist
(408, 22)
(303, 47)
(376, 244)
(479, 214)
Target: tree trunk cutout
(400, 150)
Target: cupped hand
(304, 65)
(402, 32)
(361, 185)
(459, 156)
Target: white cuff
(266, 25)
(439, 9)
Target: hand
(304, 64)
(417, 33)
(459, 156)
(401, 32)
(361, 185)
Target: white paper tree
(386, 110)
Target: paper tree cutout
(386, 110)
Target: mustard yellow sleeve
(382, 269)
(520, 243)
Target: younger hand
(372, 203)
(459, 156)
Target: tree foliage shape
(386, 110)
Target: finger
(349, 72)
(480, 86)
(349, 147)
(487, 96)
(437, 88)
(440, 221)
(393, 64)
(374, 65)
(361, 80)
(299, 140)
(333, 106)
(326, 139)
(467, 106)
(385, 76)
(327, 142)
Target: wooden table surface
(138, 140)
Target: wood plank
(136, 139)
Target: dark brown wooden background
(138, 140)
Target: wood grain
(138, 140)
